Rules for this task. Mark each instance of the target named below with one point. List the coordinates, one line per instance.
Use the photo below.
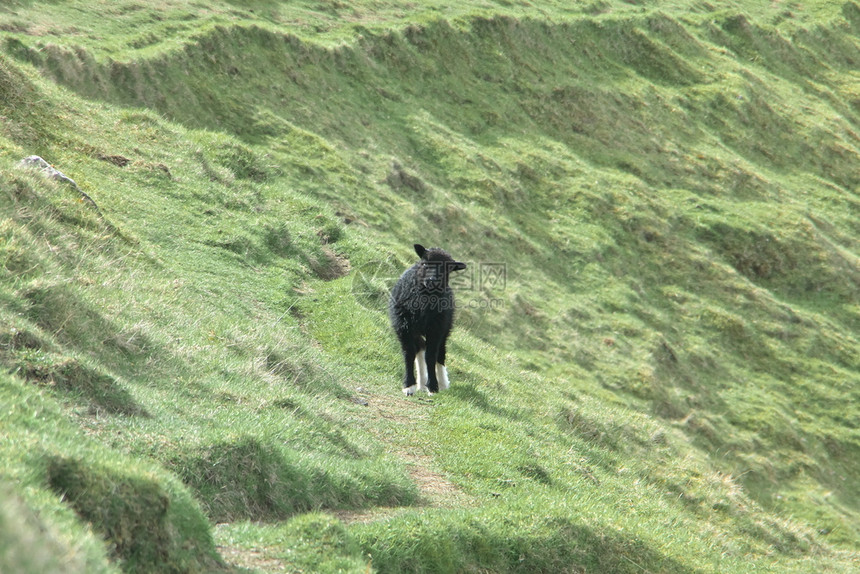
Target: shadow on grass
(80, 383)
(60, 310)
(59, 327)
(253, 480)
(471, 395)
(24, 352)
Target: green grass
(666, 381)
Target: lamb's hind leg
(409, 385)
(421, 365)
(432, 352)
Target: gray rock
(36, 162)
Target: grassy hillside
(655, 365)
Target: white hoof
(409, 391)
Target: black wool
(421, 309)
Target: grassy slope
(668, 380)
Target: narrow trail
(393, 419)
(246, 559)
(404, 418)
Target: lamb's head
(435, 266)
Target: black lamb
(422, 313)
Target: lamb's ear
(458, 266)
(419, 249)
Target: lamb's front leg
(431, 369)
(442, 376)
(421, 365)
(409, 379)
(441, 370)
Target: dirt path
(395, 417)
(404, 416)
(244, 559)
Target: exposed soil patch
(244, 558)
(332, 266)
(405, 416)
